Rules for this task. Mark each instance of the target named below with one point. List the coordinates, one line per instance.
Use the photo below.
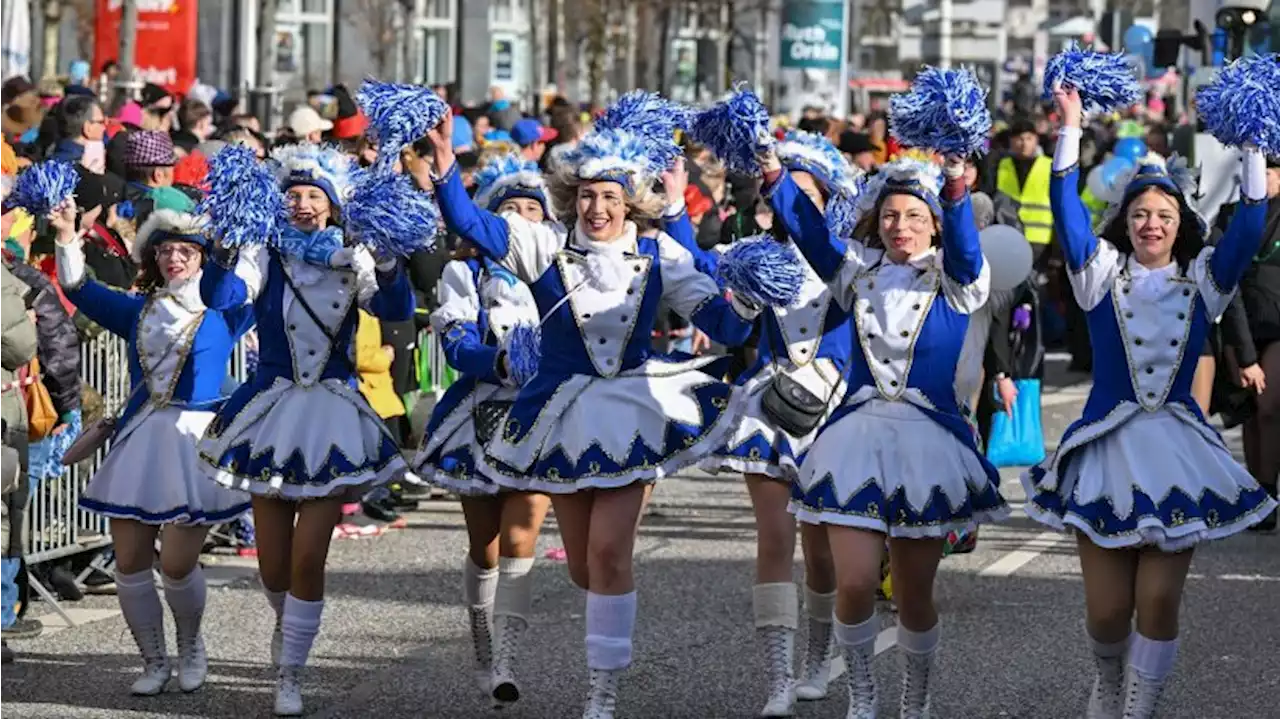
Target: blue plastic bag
(1018, 441)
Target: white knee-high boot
(1107, 698)
(777, 608)
(918, 652)
(276, 601)
(611, 621)
(479, 587)
(140, 605)
(510, 620)
(301, 624)
(822, 664)
(1150, 664)
(186, 598)
(858, 644)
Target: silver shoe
(822, 664)
(1107, 699)
(193, 662)
(481, 620)
(156, 669)
(861, 682)
(1141, 695)
(916, 671)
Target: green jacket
(17, 347)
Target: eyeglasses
(185, 254)
(914, 220)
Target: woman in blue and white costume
(599, 289)
(1150, 289)
(151, 482)
(299, 436)
(897, 458)
(480, 303)
(809, 342)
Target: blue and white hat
(315, 165)
(812, 153)
(508, 176)
(1174, 176)
(165, 225)
(905, 176)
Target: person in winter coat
(17, 348)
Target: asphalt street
(395, 644)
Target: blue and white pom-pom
(1242, 104)
(945, 111)
(1105, 81)
(244, 204)
(762, 270)
(523, 345)
(841, 215)
(399, 115)
(652, 117)
(390, 215)
(735, 131)
(42, 187)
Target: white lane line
(1018, 558)
(1236, 577)
(887, 639)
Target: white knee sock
(478, 584)
(819, 606)
(140, 603)
(276, 601)
(1108, 651)
(775, 605)
(857, 636)
(301, 624)
(514, 587)
(925, 642)
(186, 596)
(611, 620)
(1151, 658)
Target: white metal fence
(57, 527)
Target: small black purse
(792, 407)
(488, 417)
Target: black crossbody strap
(333, 340)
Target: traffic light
(1170, 42)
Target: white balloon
(1096, 184)
(1009, 254)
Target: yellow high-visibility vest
(1033, 197)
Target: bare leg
(184, 589)
(139, 602)
(1110, 577)
(856, 557)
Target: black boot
(1268, 523)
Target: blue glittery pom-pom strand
(1242, 104)
(652, 117)
(762, 270)
(244, 203)
(945, 111)
(42, 187)
(734, 130)
(399, 115)
(1105, 81)
(524, 352)
(390, 215)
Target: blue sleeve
(807, 227)
(680, 228)
(722, 323)
(239, 320)
(1072, 221)
(116, 310)
(466, 352)
(961, 246)
(393, 301)
(485, 230)
(1238, 245)
(221, 288)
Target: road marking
(1236, 577)
(886, 640)
(53, 623)
(1018, 558)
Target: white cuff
(70, 259)
(953, 169)
(387, 266)
(1253, 175)
(1068, 151)
(674, 209)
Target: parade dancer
(151, 483)
(1151, 289)
(603, 418)
(480, 303)
(299, 436)
(809, 344)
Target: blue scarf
(313, 247)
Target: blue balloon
(1139, 42)
(1113, 168)
(1131, 148)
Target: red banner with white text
(165, 49)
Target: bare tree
(380, 22)
(85, 13)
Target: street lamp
(1237, 19)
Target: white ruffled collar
(606, 261)
(186, 293)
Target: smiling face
(907, 226)
(809, 186)
(602, 210)
(527, 208)
(308, 207)
(1153, 219)
(178, 261)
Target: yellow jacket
(1032, 197)
(374, 368)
